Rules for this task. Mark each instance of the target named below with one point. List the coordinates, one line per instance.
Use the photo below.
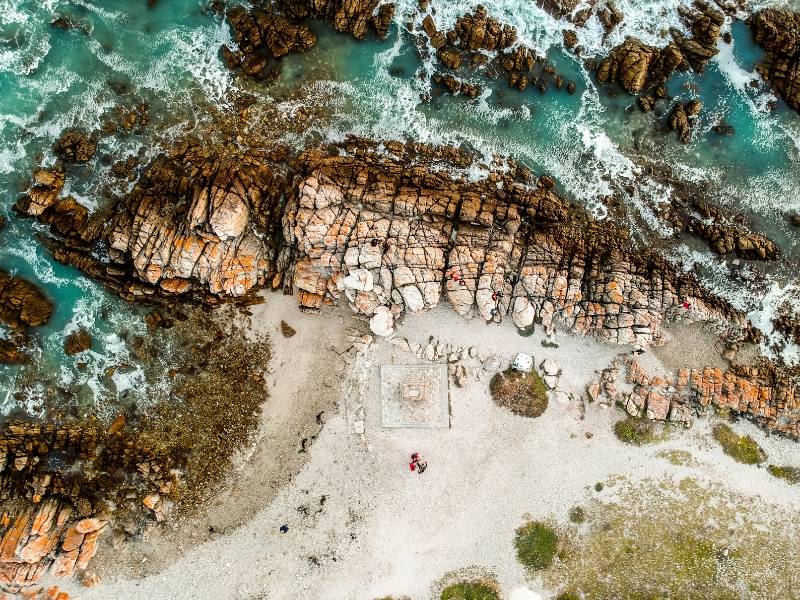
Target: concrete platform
(414, 396)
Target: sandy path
(362, 526)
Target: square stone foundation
(414, 396)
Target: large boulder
(22, 303)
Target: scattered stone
(287, 330)
(75, 147)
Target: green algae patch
(790, 474)
(523, 394)
(537, 544)
(470, 590)
(679, 458)
(577, 515)
(741, 448)
(638, 432)
(660, 540)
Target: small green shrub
(790, 474)
(536, 544)
(523, 394)
(598, 487)
(741, 448)
(470, 590)
(568, 596)
(637, 432)
(577, 514)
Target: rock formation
(188, 226)
(726, 237)
(53, 518)
(639, 68)
(262, 35)
(472, 40)
(22, 303)
(683, 118)
(778, 32)
(75, 147)
(770, 397)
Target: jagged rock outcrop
(78, 341)
(22, 303)
(12, 354)
(764, 393)
(53, 519)
(683, 118)
(262, 35)
(725, 237)
(188, 227)
(778, 32)
(389, 233)
(638, 68)
(356, 17)
(75, 146)
(477, 34)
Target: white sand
(383, 530)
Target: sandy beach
(360, 524)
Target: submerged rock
(683, 118)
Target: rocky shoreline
(391, 230)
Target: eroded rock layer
(778, 32)
(392, 230)
(57, 489)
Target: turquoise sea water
(123, 53)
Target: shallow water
(123, 53)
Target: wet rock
(261, 35)
(47, 186)
(778, 32)
(77, 341)
(22, 303)
(683, 118)
(726, 237)
(75, 146)
(12, 354)
(635, 66)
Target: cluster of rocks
(778, 32)
(643, 70)
(393, 237)
(726, 237)
(261, 35)
(761, 392)
(75, 146)
(683, 118)
(475, 38)
(53, 517)
(269, 32)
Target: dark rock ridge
(778, 32)
(642, 69)
(683, 118)
(726, 237)
(75, 146)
